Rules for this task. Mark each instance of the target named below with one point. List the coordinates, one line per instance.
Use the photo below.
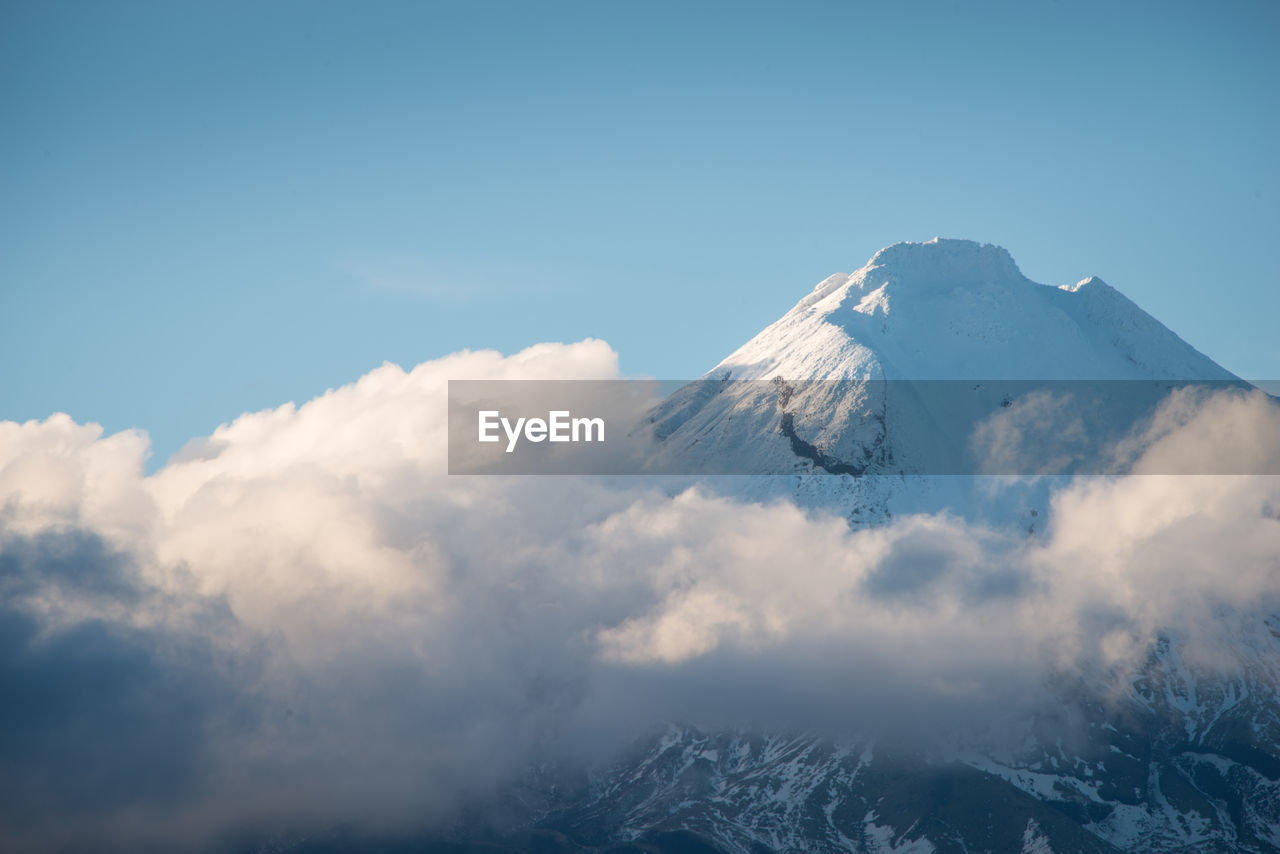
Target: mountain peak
(1091, 282)
(944, 260)
(959, 309)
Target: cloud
(1196, 431)
(442, 279)
(403, 274)
(301, 621)
(1041, 433)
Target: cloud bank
(301, 621)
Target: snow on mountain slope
(1185, 763)
(834, 386)
(956, 309)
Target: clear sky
(208, 208)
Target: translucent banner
(862, 427)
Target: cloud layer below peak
(301, 621)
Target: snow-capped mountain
(956, 309)
(1173, 760)
(899, 367)
(1183, 762)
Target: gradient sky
(213, 208)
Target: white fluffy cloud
(316, 622)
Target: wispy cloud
(406, 275)
(441, 280)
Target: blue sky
(214, 208)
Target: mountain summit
(957, 309)
(860, 377)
